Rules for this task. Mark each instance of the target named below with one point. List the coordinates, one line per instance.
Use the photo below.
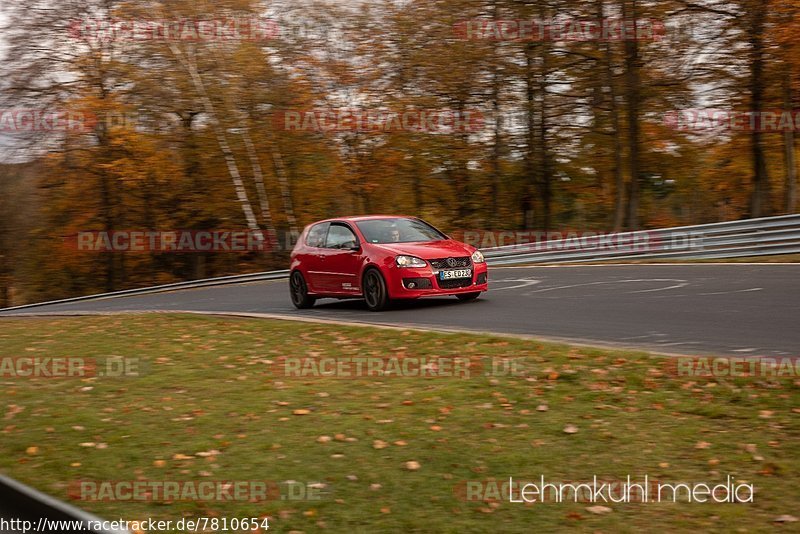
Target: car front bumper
(410, 283)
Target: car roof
(358, 218)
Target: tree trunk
(633, 96)
(790, 190)
(546, 160)
(619, 177)
(528, 204)
(283, 180)
(494, 158)
(261, 190)
(238, 184)
(760, 200)
(546, 177)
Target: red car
(381, 258)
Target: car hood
(429, 251)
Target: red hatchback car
(381, 258)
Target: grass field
(209, 405)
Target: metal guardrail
(43, 512)
(225, 280)
(747, 238)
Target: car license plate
(450, 275)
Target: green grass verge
(209, 387)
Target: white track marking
(523, 282)
(677, 286)
(645, 336)
(732, 292)
(676, 343)
(681, 283)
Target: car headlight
(477, 257)
(410, 261)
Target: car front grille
(455, 283)
(458, 263)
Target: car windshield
(382, 231)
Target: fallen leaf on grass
(599, 510)
(412, 466)
(570, 429)
(13, 410)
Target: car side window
(341, 237)
(316, 236)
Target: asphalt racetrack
(714, 309)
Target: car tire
(299, 292)
(468, 297)
(375, 293)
